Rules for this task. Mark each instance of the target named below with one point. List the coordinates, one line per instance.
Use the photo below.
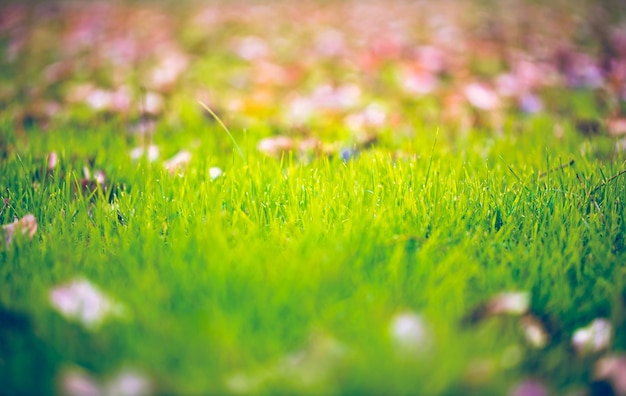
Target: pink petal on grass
(82, 302)
(76, 382)
(178, 163)
(129, 383)
(594, 338)
(616, 126)
(529, 388)
(53, 160)
(481, 96)
(151, 152)
(612, 368)
(534, 332)
(409, 333)
(275, 145)
(419, 83)
(27, 225)
(509, 303)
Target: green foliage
(227, 277)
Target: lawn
(312, 198)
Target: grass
(221, 280)
(287, 274)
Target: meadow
(356, 198)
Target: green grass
(226, 278)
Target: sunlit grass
(222, 279)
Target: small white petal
(75, 382)
(83, 302)
(215, 172)
(178, 162)
(511, 303)
(128, 383)
(409, 332)
(593, 338)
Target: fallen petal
(612, 368)
(128, 383)
(509, 303)
(178, 162)
(593, 338)
(409, 333)
(26, 225)
(481, 96)
(535, 332)
(616, 126)
(215, 172)
(76, 382)
(529, 388)
(275, 145)
(81, 301)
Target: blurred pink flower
(80, 301)
(594, 338)
(128, 383)
(374, 115)
(170, 67)
(418, 82)
(78, 382)
(252, 48)
(481, 96)
(509, 303)
(151, 152)
(178, 162)
(27, 225)
(612, 368)
(409, 333)
(529, 388)
(275, 145)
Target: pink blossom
(509, 303)
(594, 338)
(275, 145)
(409, 333)
(151, 152)
(481, 96)
(613, 369)
(178, 162)
(80, 301)
(76, 382)
(25, 225)
(129, 382)
(252, 48)
(419, 83)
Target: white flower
(534, 332)
(215, 172)
(511, 303)
(128, 383)
(78, 382)
(151, 152)
(409, 332)
(593, 338)
(81, 301)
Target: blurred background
(302, 67)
